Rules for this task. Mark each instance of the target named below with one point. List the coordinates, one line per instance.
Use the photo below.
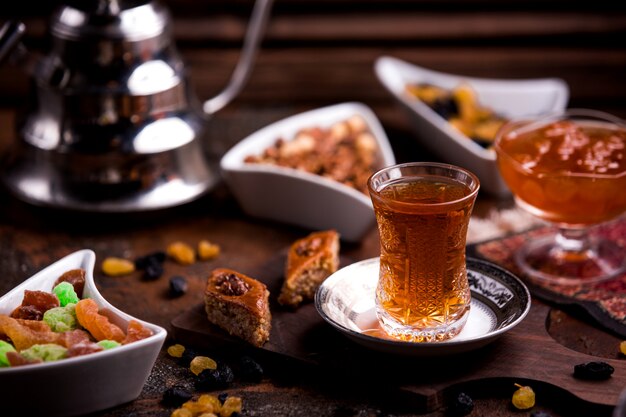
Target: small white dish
(301, 198)
(509, 98)
(82, 384)
(500, 301)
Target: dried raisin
(461, 405)
(175, 396)
(114, 267)
(593, 371)
(178, 286)
(523, 397)
(200, 363)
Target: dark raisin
(175, 396)
(222, 397)
(595, 371)
(153, 271)
(178, 286)
(461, 405)
(156, 257)
(187, 357)
(235, 414)
(210, 380)
(445, 107)
(250, 370)
(540, 414)
(226, 373)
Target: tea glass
(422, 211)
(568, 169)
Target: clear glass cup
(423, 211)
(568, 169)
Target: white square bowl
(509, 98)
(81, 384)
(297, 197)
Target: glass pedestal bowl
(568, 169)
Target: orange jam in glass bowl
(570, 172)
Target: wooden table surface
(31, 238)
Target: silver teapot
(114, 125)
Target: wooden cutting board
(527, 355)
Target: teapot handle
(10, 36)
(242, 71)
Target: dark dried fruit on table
(227, 373)
(187, 356)
(250, 370)
(178, 286)
(175, 396)
(211, 380)
(153, 271)
(153, 258)
(594, 371)
(461, 405)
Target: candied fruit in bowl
(57, 331)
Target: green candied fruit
(65, 293)
(47, 352)
(4, 348)
(61, 319)
(108, 344)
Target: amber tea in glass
(423, 211)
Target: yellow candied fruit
(176, 351)
(208, 415)
(181, 253)
(200, 363)
(231, 405)
(208, 250)
(114, 267)
(181, 412)
(622, 347)
(212, 400)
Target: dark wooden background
(319, 52)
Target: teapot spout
(243, 69)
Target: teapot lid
(132, 20)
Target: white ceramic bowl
(296, 197)
(82, 384)
(509, 98)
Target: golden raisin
(181, 412)
(231, 405)
(176, 351)
(208, 415)
(208, 250)
(181, 253)
(200, 363)
(197, 408)
(212, 400)
(523, 398)
(114, 267)
(622, 347)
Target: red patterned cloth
(604, 301)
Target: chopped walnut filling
(308, 247)
(345, 152)
(231, 284)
